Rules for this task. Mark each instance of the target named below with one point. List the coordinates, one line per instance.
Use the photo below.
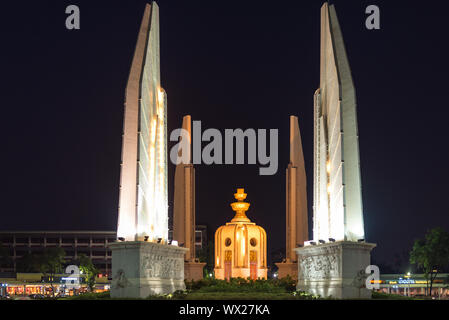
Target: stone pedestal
(287, 269)
(193, 270)
(334, 269)
(140, 269)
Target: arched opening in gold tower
(240, 245)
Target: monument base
(193, 270)
(335, 269)
(140, 269)
(245, 273)
(287, 269)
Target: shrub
(90, 296)
(241, 285)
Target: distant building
(200, 236)
(12, 283)
(413, 285)
(94, 244)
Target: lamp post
(408, 275)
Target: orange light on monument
(240, 245)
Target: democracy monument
(143, 262)
(334, 262)
(330, 263)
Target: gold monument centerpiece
(240, 245)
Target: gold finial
(240, 207)
(240, 195)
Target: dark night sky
(239, 64)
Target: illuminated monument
(184, 205)
(334, 262)
(143, 181)
(240, 245)
(296, 203)
(142, 261)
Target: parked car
(37, 296)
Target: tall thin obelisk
(184, 199)
(297, 217)
(296, 203)
(184, 204)
(142, 262)
(334, 263)
(143, 210)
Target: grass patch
(216, 290)
(89, 296)
(286, 285)
(239, 289)
(242, 296)
(213, 289)
(389, 296)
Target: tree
(206, 254)
(29, 263)
(87, 267)
(51, 263)
(431, 254)
(5, 258)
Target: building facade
(414, 285)
(94, 244)
(200, 236)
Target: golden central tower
(240, 245)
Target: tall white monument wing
(338, 211)
(143, 181)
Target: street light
(407, 276)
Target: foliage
(29, 263)
(51, 263)
(431, 254)
(389, 296)
(241, 285)
(88, 269)
(186, 295)
(206, 254)
(5, 258)
(177, 295)
(247, 296)
(302, 295)
(89, 296)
